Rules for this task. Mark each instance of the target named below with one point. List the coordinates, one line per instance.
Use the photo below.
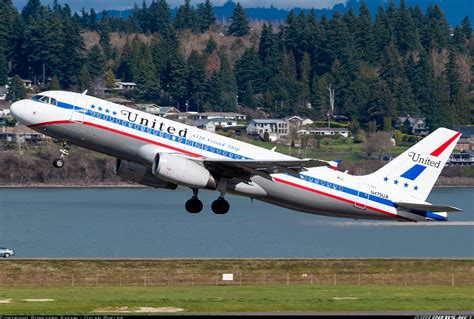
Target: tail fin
(416, 170)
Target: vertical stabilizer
(415, 172)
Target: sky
(127, 4)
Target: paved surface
(345, 313)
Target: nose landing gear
(59, 162)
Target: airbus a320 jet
(161, 153)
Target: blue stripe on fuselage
(222, 152)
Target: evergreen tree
(248, 68)
(458, 97)
(206, 16)
(104, 33)
(31, 9)
(228, 84)
(160, 18)
(239, 23)
(186, 17)
(406, 35)
(3, 69)
(364, 37)
(175, 79)
(196, 82)
(54, 85)
(16, 90)
(439, 115)
(96, 62)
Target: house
(461, 159)
(299, 121)
(162, 111)
(466, 142)
(125, 86)
(225, 115)
(3, 92)
(276, 128)
(325, 131)
(205, 124)
(28, 84)
(118, 100)
(340, 118)
(412, 125)
(20, 134)
(4, 114)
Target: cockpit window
(44, 99)
(37, 98)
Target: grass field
(82, 300)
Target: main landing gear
(220, 206)
(194, 205)
(59, 162)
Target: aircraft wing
(246, 168)
(427, 207)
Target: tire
(220, 206)
(58, 163)
(6, 255)
(193, 206)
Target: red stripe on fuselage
(197, 155)
(340, 198)
(119, 132)
(445, 145)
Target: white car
(5, 252)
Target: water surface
(143, 222)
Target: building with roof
(325, 131)
(125, 86)
(466, 142)
(162, 111)
(225, 115)
(276, 128)
(413, 125)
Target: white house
(299, 121)
(276, 128)
(225, 115)
(125, 85)
(205, 124)
(325, 131)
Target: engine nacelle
(182, 171)
(140, 174)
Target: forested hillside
(405, 61)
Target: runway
(329, 314)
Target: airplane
(162, 153)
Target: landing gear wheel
(220, 206)
(6, 255)
(58, 163)
(194, 206)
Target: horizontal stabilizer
(427, 207)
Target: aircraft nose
(18, 110)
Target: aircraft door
(362, 196)
(79, 110)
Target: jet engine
(140, 174)
(180, 170)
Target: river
(149, 223)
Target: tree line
(404, 61)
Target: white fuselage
(120, 131)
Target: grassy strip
(83, 300)
(322, 266)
